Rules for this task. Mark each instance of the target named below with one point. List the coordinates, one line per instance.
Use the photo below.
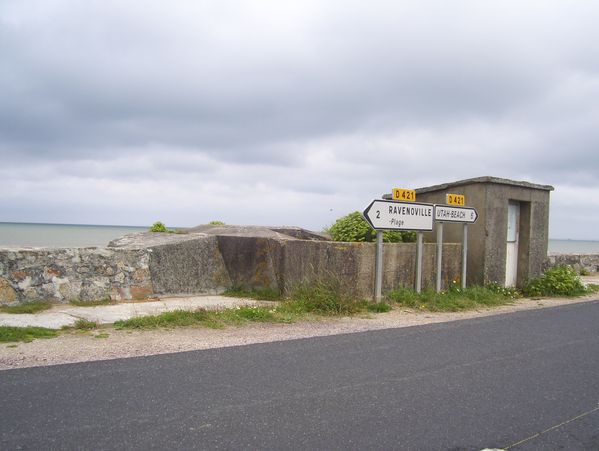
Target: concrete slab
(590, 279)
(66, 315)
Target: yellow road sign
(408, 195)
(456, 199)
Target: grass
(261, 294)
(83, 324)
(29, 307)
(25, 334)
(455, 299)
(318, 299)
(80, 303)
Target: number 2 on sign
(404, 194)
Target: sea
(14, 234)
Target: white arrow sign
(391, 215)
(464, 215)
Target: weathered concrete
(487, 237)
(208, 260)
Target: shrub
(354, 228)
(216, 223)
(158, 227)
(560, 281)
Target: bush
(216, 223)
(558, 281)
(158, 227)
(354, 228)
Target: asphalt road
(530, 378)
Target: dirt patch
(108, 343)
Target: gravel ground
(108, 343)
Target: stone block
(8, 295)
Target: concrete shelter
(508, 243)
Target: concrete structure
(508, 243)
(208, 260)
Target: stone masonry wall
(63, 275)
(588, 262)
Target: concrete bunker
(508, 243)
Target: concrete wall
(148, 265)
(487, 237)
(281, 264)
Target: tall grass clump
(326, 296)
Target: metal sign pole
(439, 254)
(378, 268)
(419, 262)
(464, 254)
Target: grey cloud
(393, 92)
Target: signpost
(415, 216)
(462, 215)
(394, 215)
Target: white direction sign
(464, 215)
(392, 215)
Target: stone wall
(63, 275)
(587, 262)
(147, 265)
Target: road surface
(523, 381)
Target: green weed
(261, 294)
(25, 334)
(453, 300)
(29, 307)
(80, 303)
(83, 324)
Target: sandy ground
(108, 343)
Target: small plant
(584, 272)
(83, 324)
(558, 281)
(216, 223)
(158, 227)
(29, 307)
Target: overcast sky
(291, 112)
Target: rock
(7, 292)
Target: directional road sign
(464, 215)
(393, 215)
